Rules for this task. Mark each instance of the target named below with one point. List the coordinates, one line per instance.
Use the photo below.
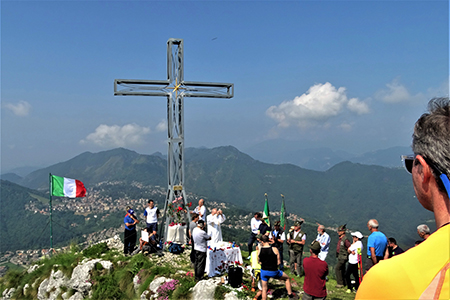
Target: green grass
(119, 283)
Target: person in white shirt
(354, 258)
(254, 225)
(213, 221)
(200, 238)
(324, 240)
(200, 210)
(152, 213)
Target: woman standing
(354, 258)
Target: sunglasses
(408, 163)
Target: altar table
(220, 256)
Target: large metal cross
(175, 88)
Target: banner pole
(51, 228)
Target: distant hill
(346, 193)
(13, 177)
(321, 159)
(111, 165)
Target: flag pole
(283, 220)
(50, 195)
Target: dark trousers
(129, 241)
(280, 250)
(309, 297)
(340, 271)
(251, 240)
(296, 257)
(369, 263)
(192, 256)
(200, 264)
(352, 269)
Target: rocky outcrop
(80, 280)
(7, 294)
(50, 288)
(204, 289)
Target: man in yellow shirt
(422, 272)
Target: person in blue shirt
(130, 236)
(376, 245)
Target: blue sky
(347, 75)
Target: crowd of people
(388, 273)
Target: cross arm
(207, 89)
(136, 87)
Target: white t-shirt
(282, 237)
(151, 214)
(296, 233)
(353, 258)
(254, 224)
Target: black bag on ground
(235, 276)
(176, 248)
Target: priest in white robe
(214, 220)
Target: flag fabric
(67, 187)
(266, 214)
(283, 215)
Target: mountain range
(321, 159)
(350, 193)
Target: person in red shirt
(316, 271)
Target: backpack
(176, 248)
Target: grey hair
(424, 229)
(431, 137)
(373, 223)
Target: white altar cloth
(176, 234)
(219, 260)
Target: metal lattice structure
(175, 88)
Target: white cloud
(346, 126)
(162, 126)
(320, 103)
(357, 106)
(117, 136)
(21, 109)
(394, 93)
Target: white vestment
(214, 229)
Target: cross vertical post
(175, 89)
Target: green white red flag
(67, 187)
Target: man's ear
(423, 169)
(425, 173)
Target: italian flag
(66, 187)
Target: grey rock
(136, 283)
(204, 289)
(144, 295)
(33, 268)
(156, 283)
(77, 296)
(7, 294)
(231, 296)
(50, 288)
(80, 275)
(25, 288)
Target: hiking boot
(293, 296)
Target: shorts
(152, 227)
(265, 275)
